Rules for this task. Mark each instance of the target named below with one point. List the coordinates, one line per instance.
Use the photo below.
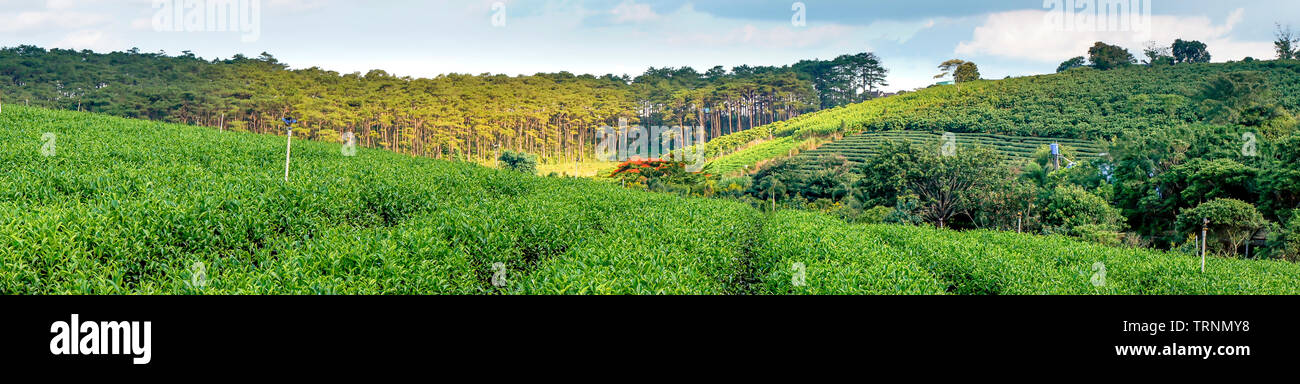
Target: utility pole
(222, 125)
(1056, 156)
(288, 145)
(1020, 218)
(1205, 227)
(1249, 240)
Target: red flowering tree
(638, 172)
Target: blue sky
(425, 38)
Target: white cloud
(630, 11)
(708, 30)
(1027, 35)
(142, 24)
(295, 5)
(61, 4)
(774, 37)
(87, 39)
(38, 21)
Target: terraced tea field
(1086, 105)
(858, 148)
(99, 205)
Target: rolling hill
(91, 204)
(858, 148)
(1081, 104)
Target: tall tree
(1105, 56)
(1190, 52)
(1073, 63)
(948, 68)
(454, 116)
(1286, 43)
(966, 72)
(1157, 54)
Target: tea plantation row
(857, 149)
(1083, 104)
(132, 207)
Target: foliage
(1239, 98)
(454, 116)
(847, 79)
(1158, 173)
(1190, 52)
(751, 158)
(1286, 43)
(1291, 237)
(1074, 105)
(1106, 57)
(1076, 212)
(966, 72)
(961, 71)
(1157, 55)
(1004, 263)
(858, 148)
(1199, 180)
(875, 215)
(945, 185)
(656, 174)
(1151, 141)
(810, 254)
(1280, 184)
(131, 207)
(1232, 222)
(519, 162)
(1077, 62)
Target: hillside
(450, 116)
(1082, 104)
(857, 149)
(135, 207)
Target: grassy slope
(857, 149)
(133, 207)
(1081, 104)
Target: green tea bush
(134, 207)
(1088, 105)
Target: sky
(425, 38)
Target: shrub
(131, 207)
(875, 215)
(1070, 209)
(1286, 240)
(1099, 234)
(1232, 223)
(519, 162)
